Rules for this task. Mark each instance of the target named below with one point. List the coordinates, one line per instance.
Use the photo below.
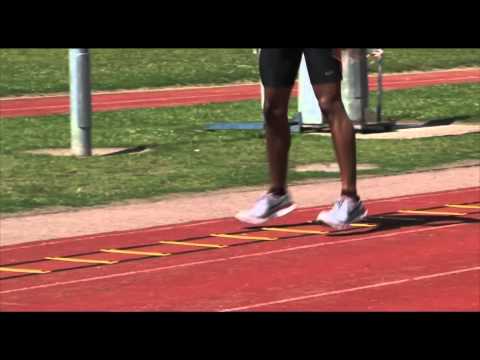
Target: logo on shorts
(329, 73)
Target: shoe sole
(258, 221)
(337, 226)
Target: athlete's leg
(278, 70)
(326, 74)
(277, 136)
(343, 134)
(348, 208)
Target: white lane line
(353, 289)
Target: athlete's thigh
(279, 66)
(323, 66)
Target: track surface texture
(412, 253)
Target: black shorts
(279, 67)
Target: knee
(274, 112)
(329, 105)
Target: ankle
(277, 191)
(351, 194)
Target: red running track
(50, 105)
(406, 263)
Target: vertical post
(262, 89)
(80, 102)
(355, 83)
(379, 90)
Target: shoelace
(338, 204)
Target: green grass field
(186, 158)
(38, 71)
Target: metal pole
(379, 90)
(262, 89)
(80, 102)
(355, 83)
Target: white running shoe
(267, 207)
(344, 212)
